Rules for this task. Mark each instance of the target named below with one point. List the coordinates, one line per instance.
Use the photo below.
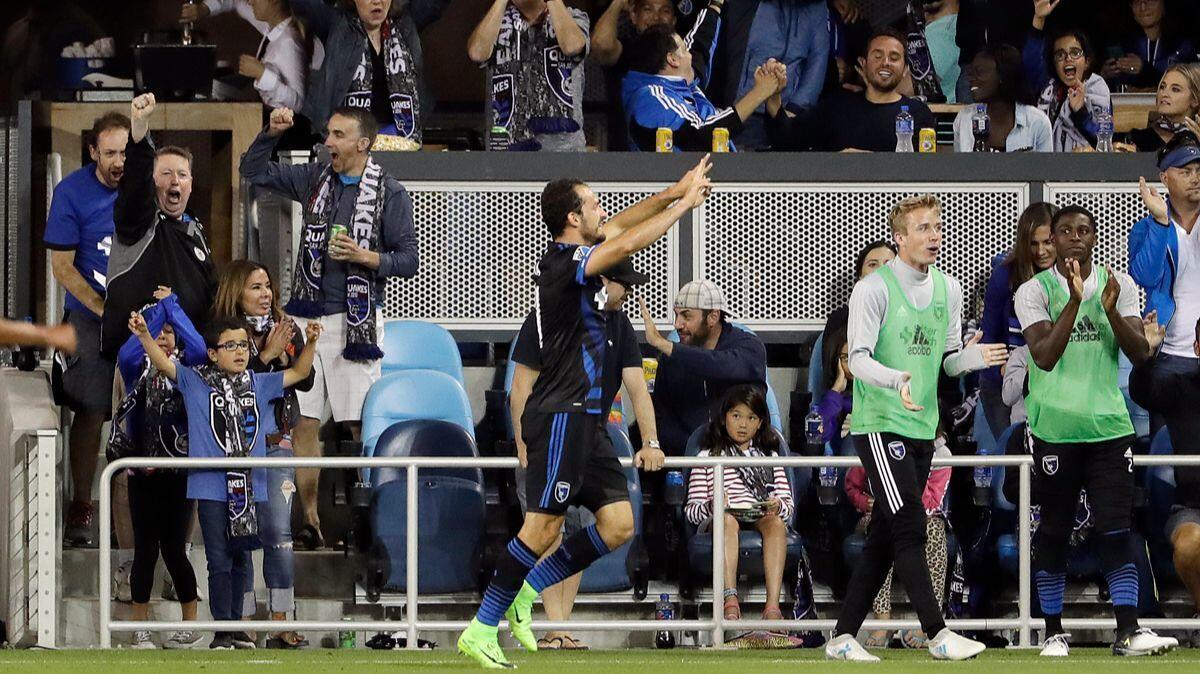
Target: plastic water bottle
(983, 484)
(827, 477)
(664, 610)
(1104, 135)
(981, 127)
(814, 426)
(675, 492)
(904, 130)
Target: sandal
(733, 610)
(878, 639)
(570, 643)
(309, 538)
(914, 639)
(548, 644)
(287, 641)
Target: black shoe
(241, 640)
(222, 641)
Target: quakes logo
(358, 295)
(558, 76)
(402, 113)
(221, 431)
(502, 100)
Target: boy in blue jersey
(79, 233)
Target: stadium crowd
(206, 361)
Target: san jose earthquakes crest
(225, 436)
(896, 450)
(1050, 464)
(558, 76)
(502, 100)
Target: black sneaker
(241, 640)
(222, 641)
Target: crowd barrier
(716, 625)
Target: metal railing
(717, 625)
(31, 591)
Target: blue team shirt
(81, 219)
(198, 397)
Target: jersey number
(601, 298)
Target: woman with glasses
(1150, 43)
(1075, 97)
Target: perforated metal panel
(480, 244)
(1116, 207)
(784, 255)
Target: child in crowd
(150, 421)
(230, 412)
(246, 292)
(756, 497)
(858, 489)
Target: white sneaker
(122, 591)
(948, 645)
(181, 640)
(846, 647)
(1056, 646)
(1144, 642)
(142, 641)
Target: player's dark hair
(218, 325)
(106, 122)
(1069, 211)
(367, 126)
(648, 53)
(560, 198)
(861, 258)
(886, 31)
(716, 439)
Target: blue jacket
(1153, 251)
(654, 101)
(1000, 324)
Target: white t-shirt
(1032, 304)
(1181, 331)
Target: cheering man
(563, 421)
(905, 325)
(1074, 317)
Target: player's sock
(1050, 588)
(1122, 577)
(511, 568)
(574, 555)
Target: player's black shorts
(1104, 469)
(571, 462)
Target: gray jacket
(345, 41)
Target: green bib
(912, 341)
(1080, 399)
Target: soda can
(334, 230)
(664, 140)
(346, 638)
(720, 140)
(928, 141)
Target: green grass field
(1092, 661)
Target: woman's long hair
(1190, 72)
(228, 302)
(718, 442)
(1020, 260)
(831, 354)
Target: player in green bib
(1075, 316)
(905, 327)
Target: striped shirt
(699, 507)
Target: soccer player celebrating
(1075, 316)
(563, 424)
(905, 325)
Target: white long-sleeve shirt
(285, 59)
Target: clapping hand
(1155, 333)
(312, 332)
(1074, 280)
(1155, 203)
(278, 338)
(1112, 290)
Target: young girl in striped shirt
(756, 498)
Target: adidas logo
(920, 344)
(1085, 331)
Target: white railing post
(46, 497)
(718, 555)
(105, 514)
(1024, 552)
(411, 552)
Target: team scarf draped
(308, 299)
(403, 96)
(236, 425)
(531, 81)
(287, 408)
(150, 421)
(759, 480)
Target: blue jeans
(226, 569)
(275, 529)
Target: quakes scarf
(150, 420)
(403, 97)
(532, 81)
(287, 408)
(239, 425)
(307, 297)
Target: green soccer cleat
(478, 642)
(520, 617)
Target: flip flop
(309, 538)
(570, 643)
(545, 644)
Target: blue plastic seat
(413, 394)
(451, 509)
(418, 345)
(700, 545)
(610, 573)
(816, 370)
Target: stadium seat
(412, 394)
(450, 507)
(816, 370)
(611, 573)
(419, 345)
(700, 545)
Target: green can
(347, 638)
(334, 230)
